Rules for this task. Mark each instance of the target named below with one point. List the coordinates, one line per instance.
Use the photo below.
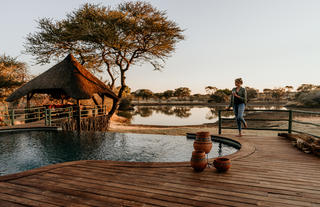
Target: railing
(48, 116)
(290, 118)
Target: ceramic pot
(203, 142)
(222, 164)
(198, 161)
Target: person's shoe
(239, 135)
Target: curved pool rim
(247, 148)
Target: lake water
(182, 115)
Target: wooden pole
(96, 103)
(290, 122)
(28, 101)
(220, 121)
(78, 116)
(26, 111)
(12, 117)
(102, 103)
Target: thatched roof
(69, 78)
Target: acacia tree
(168, 94)
(307, 88)
(182, 92)
(114, 39)
(277, 93)
(13, 73)
(288, 88)
(251, 93)
(211, 89)
(144, 93)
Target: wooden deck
(267, 171)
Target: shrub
(125, 104)
(310, 99)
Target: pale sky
(269, 43)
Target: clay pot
(202, 134)
(222, 164)
(198, 161)
(203, 142)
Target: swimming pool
(20, 151)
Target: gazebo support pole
(27, 109)
(78, 116)
(28, 100)
(96, 103)
(103, 107)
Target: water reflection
(184, 115)
(182, 112)
(144, 111)
(214, 111)
(178, 111)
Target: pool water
(20, 151)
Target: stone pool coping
(247, 148)
(23, 129)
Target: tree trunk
(116, 101)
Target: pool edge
(247, 148)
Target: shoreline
(191, 103)
(121, 127)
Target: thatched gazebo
(65, 79)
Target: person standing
(238, 103)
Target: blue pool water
(20, 151)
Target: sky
(268, 43)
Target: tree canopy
(182, 92)
(13, 73)
(211, 89)
(108, 38)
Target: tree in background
(288, 88)
(182, 92)
(114, 39)
(308, 95)
(267, 90)
(211, 89)
(168, 94)
(143, 93)
(277, 93)
(251, 93)
(310, 99)
(13, 73)
(307, 87)
(159, 96)
(220, 96)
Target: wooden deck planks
(276, 174)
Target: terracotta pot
(198, 161)
(202, 134)
(203, 142)
(222, 164)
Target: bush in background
(310, 99)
